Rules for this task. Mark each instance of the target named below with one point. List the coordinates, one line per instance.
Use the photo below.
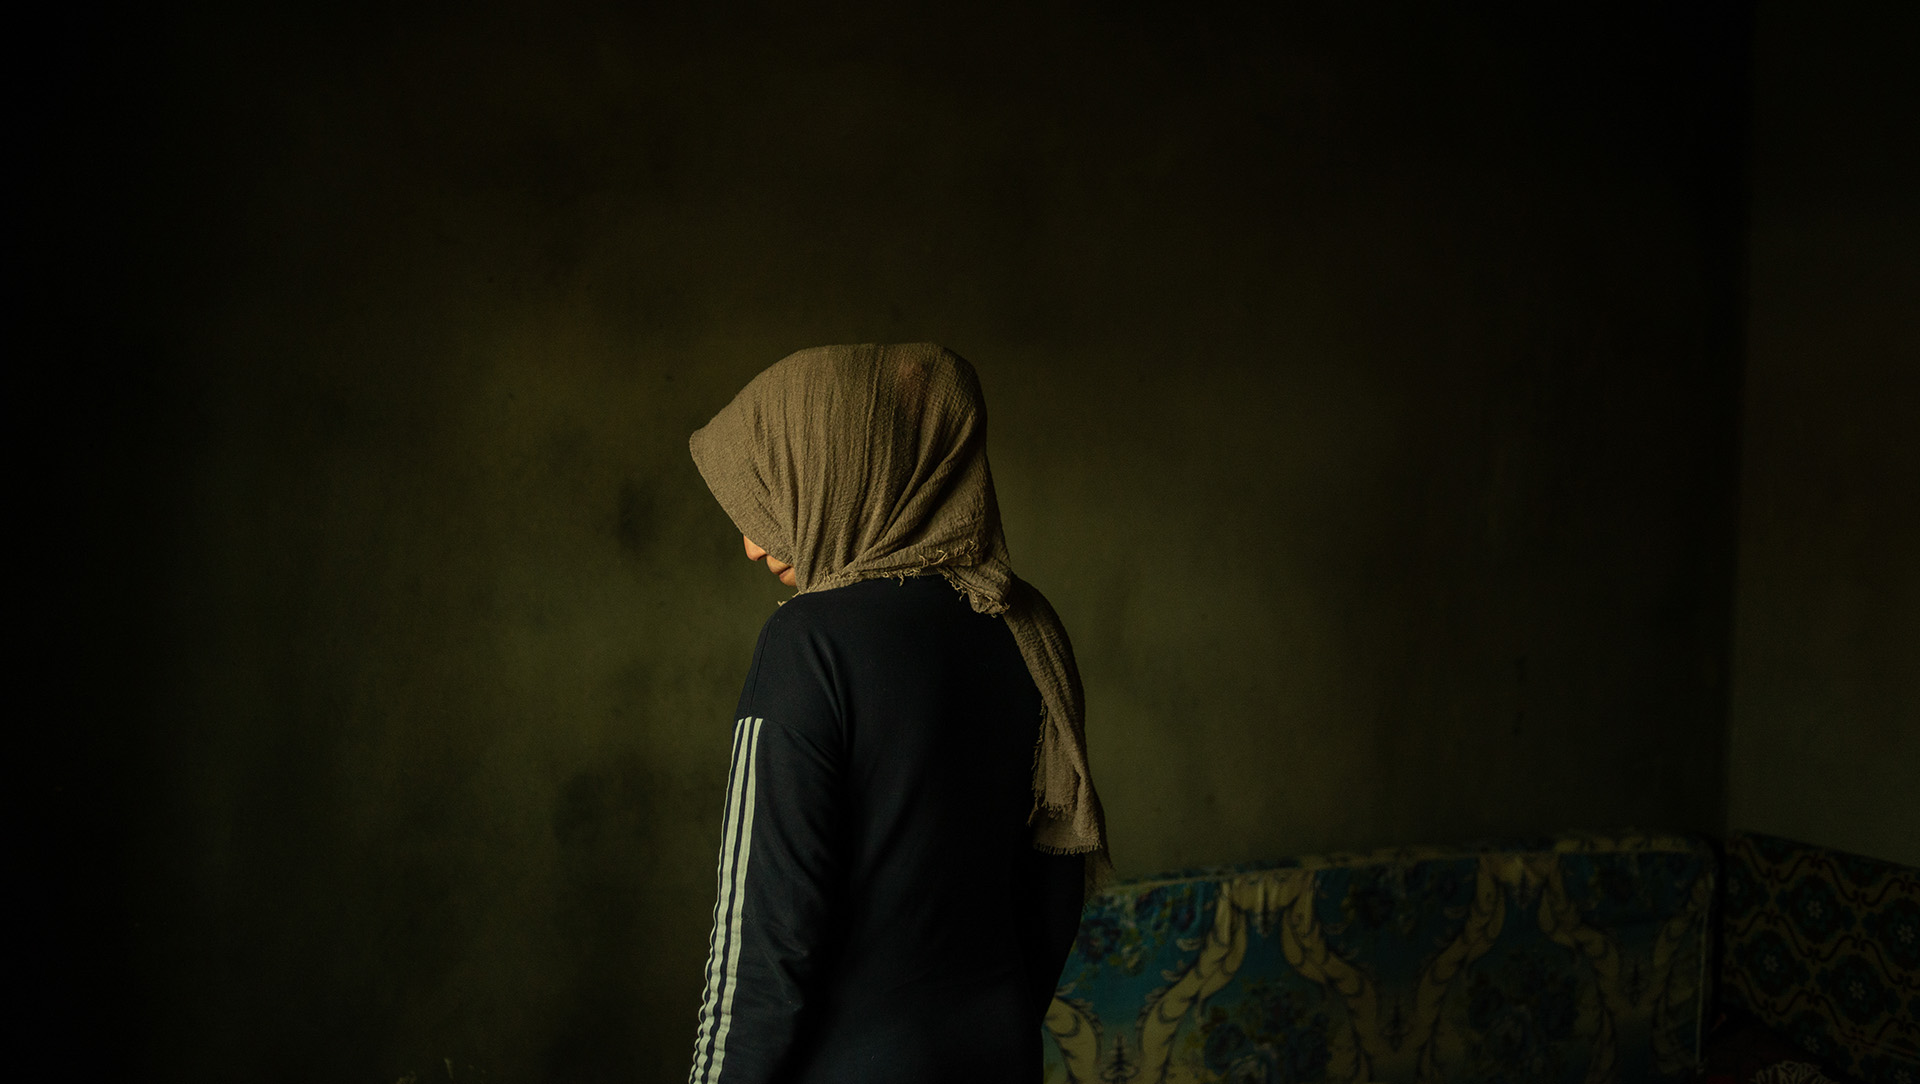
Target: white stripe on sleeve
(723, 946)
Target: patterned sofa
(1822, 948)
(1574, 959)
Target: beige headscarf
(856, 462)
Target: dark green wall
(1825, 724)
(1363, 387)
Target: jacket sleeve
(780, 861)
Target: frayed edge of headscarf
(967, 553)
(981, 602)
(1095, 873)
(1066, 852)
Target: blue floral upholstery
(1577, 959)
(1824, 947)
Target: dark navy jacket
(881, 915)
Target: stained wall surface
(1824, 740)
(1363, 387)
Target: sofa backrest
(1574, 959)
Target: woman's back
(883, 914)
